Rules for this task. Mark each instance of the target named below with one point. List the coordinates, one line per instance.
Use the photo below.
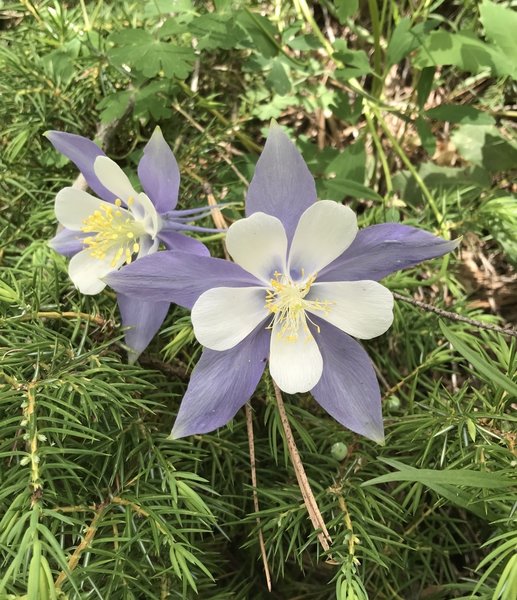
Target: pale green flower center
(286, 301)
(115, 231)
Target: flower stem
(305, 487)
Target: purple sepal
(282, 185)
(221, 383)
(348, 389)
(68, 242)
(382, 249)
(144, 320)
(183, 243)
(159, 174)
(82, 152)
(179, 277)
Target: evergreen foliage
(95, 501)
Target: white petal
(363, 309)
(223, 317)
(144, 210)
(113, 178)
(324, 232)
(258, 244)
(86, 271)
(73, 206)
(147, 245)
(295, 365)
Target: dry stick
(305, 487)
(220, 221)
(251, 441)
(455, 316)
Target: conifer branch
(455, 316)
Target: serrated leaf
(214, 31)
(141, 51)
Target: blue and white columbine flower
(119, 225)
(303, 281)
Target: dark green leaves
(149, 55)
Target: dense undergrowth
(403, 110)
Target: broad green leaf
(500, 23)
(355, 63)
(460, 113)
(464, 51)
(479, 362)
(261, 33)
(437, 177)
(406, 38)
(346, 8)
(277, 79)
(484, 146)
(213, 31)
(148, 55)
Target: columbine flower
(120, 225)
(304, 280)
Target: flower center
(115, 230)
(286, 301)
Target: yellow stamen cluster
(114, 229)
(286, 301)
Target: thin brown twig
(97, 319)
(251, 441)
(86, 541)
(303, 482)
(455, 316)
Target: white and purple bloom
(303, 282)
(120, 225)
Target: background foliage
(406, 111)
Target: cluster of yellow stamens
(113, 228)
(286, 300)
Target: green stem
(380, 152)
(409, 165)
(377, 52)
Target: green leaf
(466, 477)
(214, 31)
(356, 64)
(143, 52)
(464, 51)
(484, 146)
(426, 135)
(500, 23)
(460, 113)
(480, 363)
(277, 79)
(405, 39)
(346, 9)
(261, 33)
